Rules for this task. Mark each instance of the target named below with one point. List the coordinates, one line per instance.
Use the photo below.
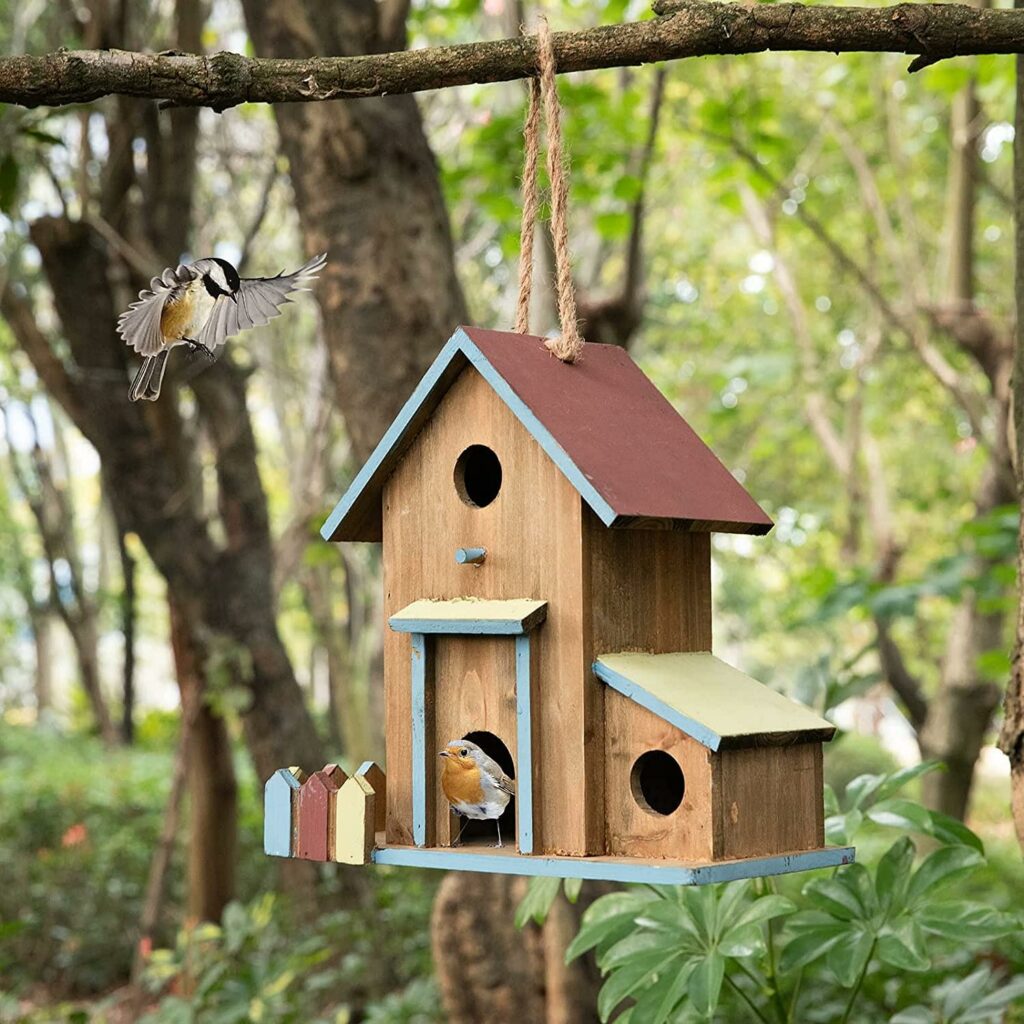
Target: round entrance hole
(478, 476)
(657, 782)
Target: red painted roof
(617, 439)
(626, 438)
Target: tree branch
(683, 29)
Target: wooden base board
(505, 861)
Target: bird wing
(139, 324)
(491, 767)
(259, 300)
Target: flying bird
(474, 783)
(201, 305)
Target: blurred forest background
(812, 257)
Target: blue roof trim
(392, 436)
(537, 430)
(460, 341)
(613, 869)
(635, 692)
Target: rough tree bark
(1011, 737)
(960, 713)
(683, 28)
(210, 774)
(491, 973)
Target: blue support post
(524, 746)
(470, 556)
(419, 739)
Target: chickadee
(201, 305)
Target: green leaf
(901, 814)
(604, 920)
(902, 945)
(623, 982)
(740, 942)
(672, 917)
(939, 867)
(897, 780)
(845, 896)
(893, 872)
(764, 909)
(860, 788)
(810, 945)
(705, 985)
(632, 947)
(841, 828)
(572, 887)
(700, 902)
(994, 1003)
(914, 1015)
(847, 957)
(658, 1002)
(536, 904)
(965, 993)
(949, 830)
(965, 921)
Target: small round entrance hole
(484, 831)
(478, 476)
(657, 782)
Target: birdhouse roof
(616, 438)
(716, 704)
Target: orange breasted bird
(201, 305)
(474, 783)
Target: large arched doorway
(485, 833)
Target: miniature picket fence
(325, 816)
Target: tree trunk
(490, 973)
(128, 633)
(1011, 737)
(212, 789)
(960, 713)
(42, 635)
(367, 190)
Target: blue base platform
(488, 860)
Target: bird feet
(198, 346)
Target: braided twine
(544, 93)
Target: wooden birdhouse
(546, 534)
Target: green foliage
(891, 934)
(851, 754)
(79, 827)
(263, 964)
(73, 867)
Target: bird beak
(234, 297)
(443, 753)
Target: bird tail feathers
(150, 378)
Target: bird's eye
(463, 752)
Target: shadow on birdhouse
(546, 534)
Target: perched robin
(474, 783)
(201, 305)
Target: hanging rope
(544, 91)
